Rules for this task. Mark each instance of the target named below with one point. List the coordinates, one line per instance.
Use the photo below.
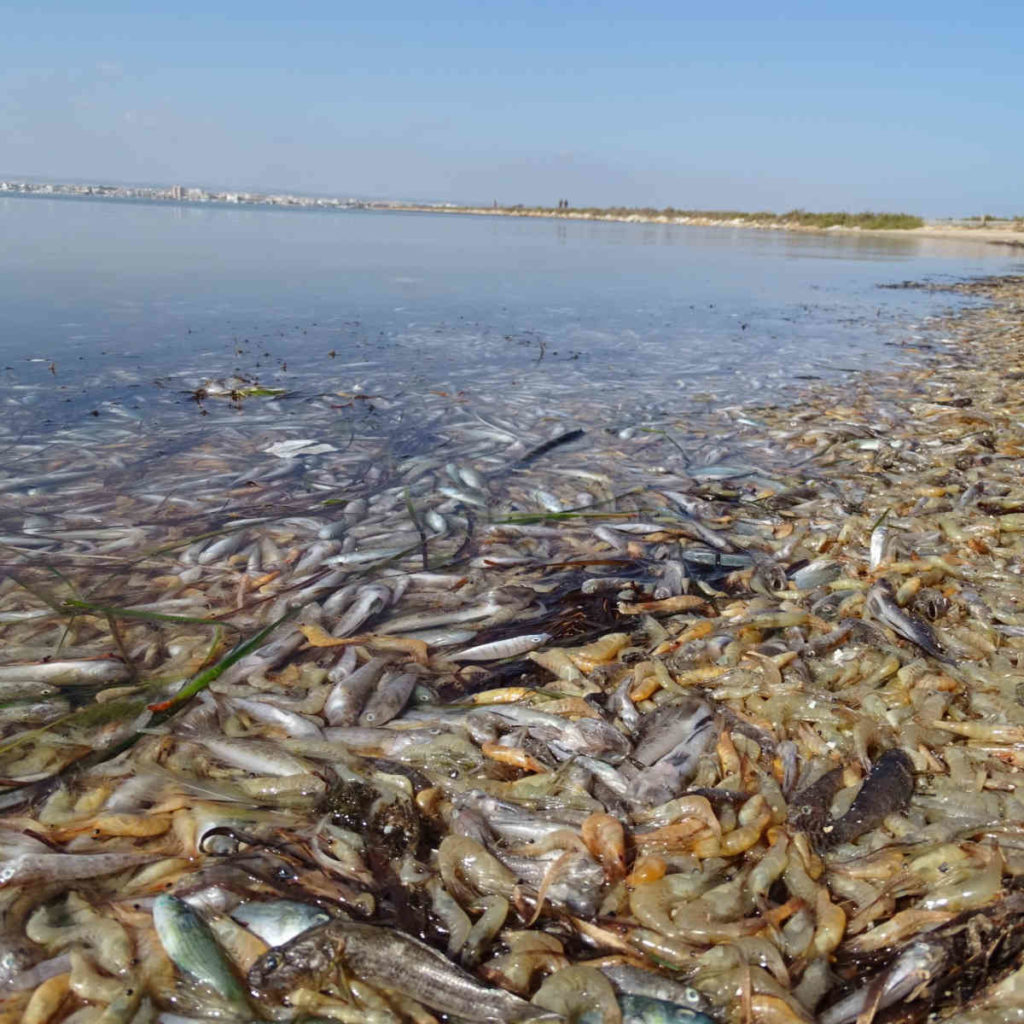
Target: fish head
(679, 732)
(602, 740)
(918, 964)
(308, 961)
(657, 785)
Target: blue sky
(913, 106)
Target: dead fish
(913, 968)
(882, 605)
(348, 698)
(816, 574)
(427, 620)
(670, 742)
(389, 959)
(27, 868)
(388, 699)
(638, 981)
(650, 1010)
(279, 921)
(292, 723)
(880, 545)
(809, 809)
(60, 673)
(191, 946)
(260, 756)
(679, 732)
(511, 647)
(221, 548)
(887, 790)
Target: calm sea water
(123, 308)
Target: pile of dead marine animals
(722, 746)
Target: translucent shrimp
(577, 991)
(467, 869)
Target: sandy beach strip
(936, 229)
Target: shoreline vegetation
(984, 228)
(867, 220)
(993, 230)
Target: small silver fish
(638, 981)
(879, 545)
(915, 966)
(816, 574)
(279, 921)
(293, 724)
(388, 699)
(58, 673)
(222, 548)
(510, 647)
(260, 756)
(346, 701)
(882, 605)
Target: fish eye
(271, 962)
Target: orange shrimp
(605, 838)
(515, 756)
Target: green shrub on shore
(796, 218)
(901, 221)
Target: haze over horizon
(901, 107)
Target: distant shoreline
(956, 231)
(1003, 232)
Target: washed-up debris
(716, 720)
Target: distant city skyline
(205, 187)
(909, 106)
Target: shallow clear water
(124, 308)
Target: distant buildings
(181, 194)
